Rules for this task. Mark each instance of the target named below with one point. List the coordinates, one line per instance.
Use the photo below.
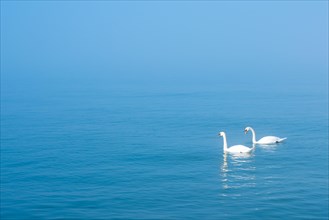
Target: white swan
(263, 140)
(236, 149)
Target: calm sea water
(94, 151)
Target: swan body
(263, 140)
(236, 149)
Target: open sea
(89, 150)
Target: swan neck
(224, 142)
(253, 135)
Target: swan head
(246, 130)
(221, 133)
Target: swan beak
(245, 131)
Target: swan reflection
(238, 171)
(267, 147)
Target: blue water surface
(96, 150)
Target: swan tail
(281, 139)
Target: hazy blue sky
(192, 41)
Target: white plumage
(263, 140)
(236, 149)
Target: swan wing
(270, 140)
(239, 149)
